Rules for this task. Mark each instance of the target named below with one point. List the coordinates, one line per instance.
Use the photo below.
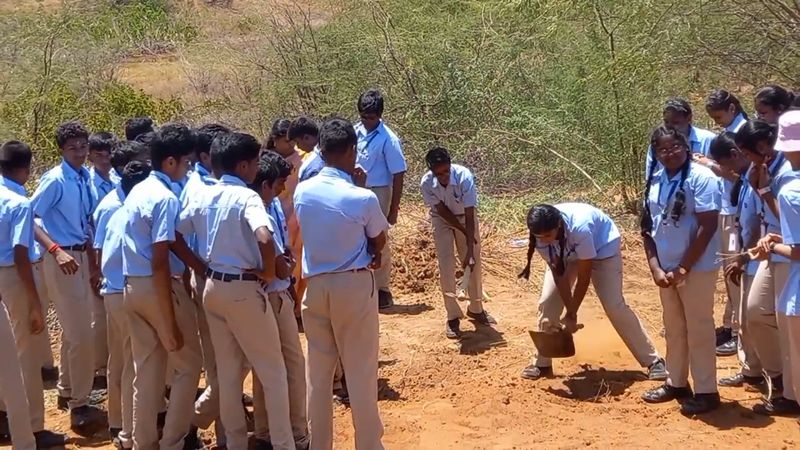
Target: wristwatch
(683, 270)
(772, 247)
(765, 190)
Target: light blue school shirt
(789, 201)
(225, 217)
(726, 186)
(589, 234)
(311, 165)
(151, 216)
(699, 142)
(380, 155)
(35, 251)
(459, 193)
(100, 186)
(337, 217)
(198, 180)
(102, 214)
(111, 263)
(737, 123)
(64, 202)
(749, 208)
(672, 240)
(16, 225)
(781, 172)
(280, 236)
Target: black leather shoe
(657, 371)
(533, 372)
(341, 396)
(779, 406)
(728, 348)
(666, 393)
(48, 439)
(453, 329)
(723, 335)
(261, 444)
(4, 430)
(700, 404)
(49, 375)
(385, 299)
(114, 432)
(740, 380)
(62, 403)
(482, 318)
(84, 418)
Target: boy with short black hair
(127, 151)
(270, 181)
(102, 175)
(241, 254)
(304, 131)
(137, 126)
(163, 320)
(64, 202)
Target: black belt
(228, 277)
(74, 248)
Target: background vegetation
(540, 97)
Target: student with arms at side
(581, 244)
(679, 223)
(449, 191)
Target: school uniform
(312, 165)
(64, 202)
(277, 295)
(768, 281)
(788, 307)
(749, 207)
(110, 221)
(589, 234)
(380, 154)
(699, 142)
(224, 218)
(102, 186)
(688, 309)
(151, 213)
(206, 407)
(340, 310)
(459, 194)
(20, 374)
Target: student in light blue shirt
(726, 110)
(580, 243)
(269, 183)
(344, 231)
(311, 166)
(109, 238)
(163, 319)
(679, 223)
(678, 115)
(381, 157)
(234, 236)
(740, 271)
(102, 176)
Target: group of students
(730, 200)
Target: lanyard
(278, 215)
(672, 189)
(370, 137)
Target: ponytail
(646, 221)
(543, 218)
(722, 99)
(776, 97)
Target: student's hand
(570, 323)
(767, 241)
(734, 270)
(761, 173)
(757, 253)
(175, 342)
(66, 262)
(96, 281)
(36, 320)
(676, 278)
(526, 273)
(469, 260)
(660, 278)
(375, 264)
(290, 262)
(359, 177)
(392, 217)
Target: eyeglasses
(674, 148)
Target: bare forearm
(772, 203)
(565, 291)
(705, 232)
(651, 253)
(163, 287)
(42, 238)
(448, 216)
(185, 254)
(581, 287)
(22, 264)
(397, 192)
(469, 220)
(787, 251)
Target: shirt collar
(198, 167)
(13, 186)
(71, 172)
(736, 123)
(120, 193)
(362, 130)
(232, 179)
(436, 183)
(163, 178)
(693, 134)
(336, 173)
(95, 173)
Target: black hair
(138, 126)
(437, 155)
(271, 166)
(102, 141)
(721, 99)
(146, 138)
(233, 148)
(206, 135)
(678, 105)
(646, 221)
(336, 136)
(70, 130)
(543, 218)
(722, 147)
(174, 140)
(755, 131)
(280, 128)
(133, 173)
(303, 126)
(125, 152)
(776, 97)
(15, 155)
(370, 102)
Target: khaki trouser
(788, 357)
(148, 330)
(383, 276)
(43, 348)
(340, 316)
(72, 299)
(761, 319)
(607, 281)
(100, 329)
(15, 298)
(729, 237)
(283, 307)
(244, 330)
(793, 338)
(448, 241)
(746, 351)
(689, 325)
(206, 408)
(12, 387)
(120, 369)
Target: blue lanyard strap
(278, 220)
(672, 189)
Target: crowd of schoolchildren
(184, 251)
